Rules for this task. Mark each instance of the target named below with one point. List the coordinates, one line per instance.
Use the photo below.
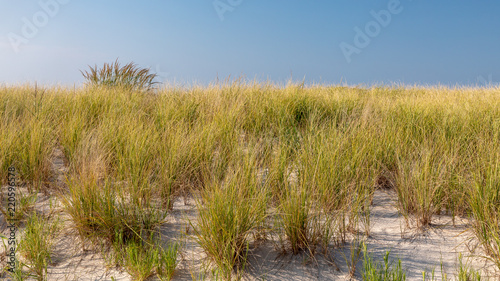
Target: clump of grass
(27, 122)
(113, 218)
(279, 160)
(102, 211)
(165, 268)
(140, 262)
(356, 248)
(337, 166)
(133, 149)
(90, 158)
(304, 225)
(147, 258)
(36, 244)
(298, 220)
(301, 222)
(18, 274)
(229, 211)
(484, 204)
(422, 182)
(129, 76)
(7, 139)
(32, 152)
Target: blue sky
(451, 42)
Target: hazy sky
(359, 42)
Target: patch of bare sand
(422, 250)
(426, 249)
(72, 261)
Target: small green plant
(145, 258)
(139, 261)
(165, 268)
(36, 244)
(356, 248)
(466, 272)
(432, 276)
(128, 77)
(374, 271)
(18, 274)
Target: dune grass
(128, 77)
(36, 244)
(229, 212)
(300, 161)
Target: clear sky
(427, 42)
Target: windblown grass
(129, 76)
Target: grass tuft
(36, 244)
(374, 271)
(129, 76)
(229, 212)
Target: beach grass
(301, 161)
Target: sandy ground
(422, 250)
(418, 250)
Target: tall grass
(299, 220)
(484, 201)
(229, 212)
(106, 211)
(432, 163)
(28, 120)
(338, 166)
(422, 183)
(307, 157)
